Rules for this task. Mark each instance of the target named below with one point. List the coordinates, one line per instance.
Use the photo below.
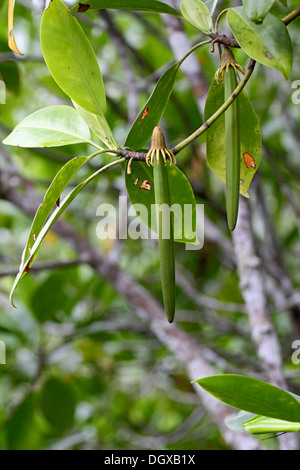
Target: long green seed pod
(232, 140)
(158, 154)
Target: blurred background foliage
(82, 370)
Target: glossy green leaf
(250, 137)
(252, 395)
(197, 13)
(99, 125)
(41, 226)
(140, 188)
(70, 58)
(268, 43)
(58, 404)
(140, 5)
(256, 10)
(142, 128)
(262, 424)
(50, 127)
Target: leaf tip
(11, 299)
(82, 7)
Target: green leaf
(257, 10)
(51, 198)
(142, 128)
(268, 43)
(250, 136)
(140, 188)
(197, 13)
(140, 5)
(211, 5)
(50, 127)
(262, 424)
(99, 125)
(252, 395)
(70, 58)
(40, 227)
(58, 404)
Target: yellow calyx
(228, 60)
(158, 146)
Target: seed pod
(158, 157)
(232, 140)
